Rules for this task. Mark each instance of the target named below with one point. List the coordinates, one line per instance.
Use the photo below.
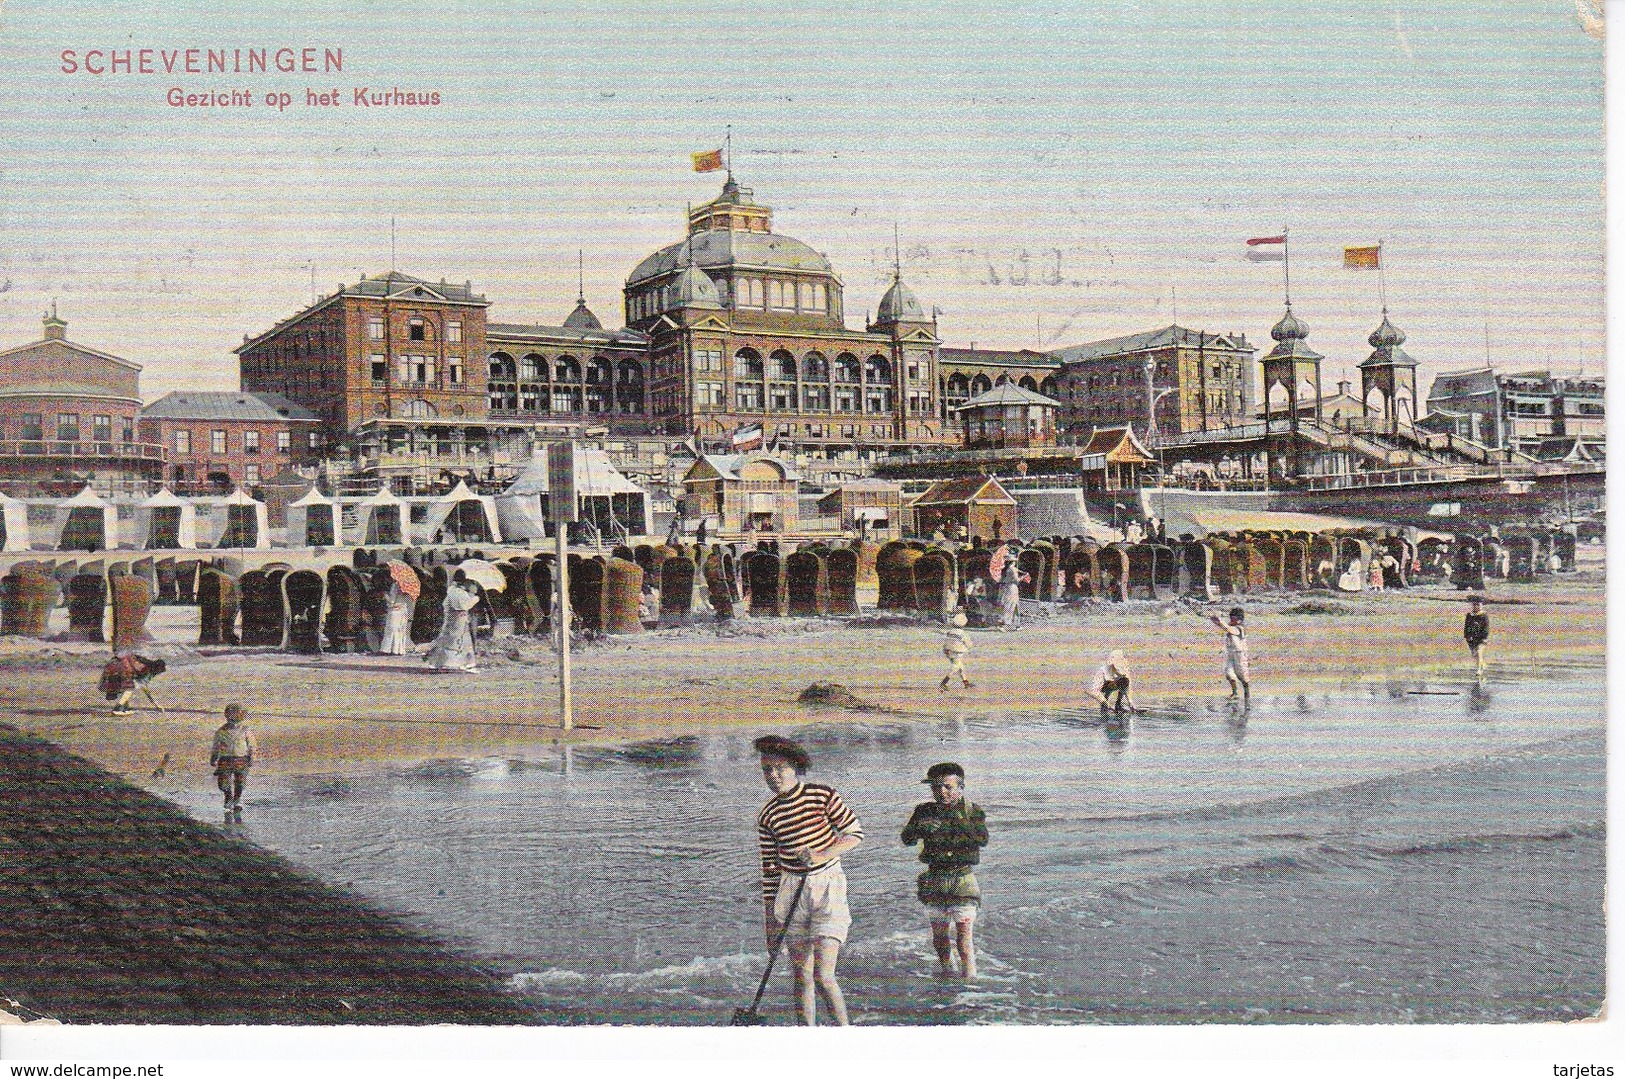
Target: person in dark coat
(1475, 630)
(953, 831)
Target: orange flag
(707, 161)
(1362, 258)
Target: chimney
(56, 329)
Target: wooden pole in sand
(561, 504)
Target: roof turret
(1385, 351)
(693, 287)
(582, 317)
(1290, 328)
(899, 305)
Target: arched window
(501, 365)
(1047, 387)
(418, 410)
(847, 369)
(599, 370)
(815, 368)
(630, 371)
(750, 292)
(748, 364)
(958, 385)
(1003, 380)
(876, 369)
(980, 385)
(566, 369)
(784, 365)
(533, 367)
(1027, 383)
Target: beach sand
(336, 712)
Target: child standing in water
(1237, 664)
(954, 831)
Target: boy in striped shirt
(803, 830)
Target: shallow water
(1415, 851)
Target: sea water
(1420, 850)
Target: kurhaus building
(731, 327)
(746, 326)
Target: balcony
(50, 448)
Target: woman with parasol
(404, 590)
(453, 649)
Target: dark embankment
(115, 907)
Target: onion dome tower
(1390, 374)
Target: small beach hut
(313, 521)
(86, 522)
(381, 519)
(13, 524)
(166, 522)
(246, 525)
(461, 516)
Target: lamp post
(1162, 480)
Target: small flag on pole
(1362, 258)
(707, 161)
(1266, 248)
(747, 437)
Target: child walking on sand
(1237, 667)
(954, 645)
(1475, 630)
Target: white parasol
(483, 574)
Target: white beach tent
(14, 515)
(166, 522)
(519, 508)
(461, 516)
(381, 519)
(603, 495)
(606, 497)
(86, 522)
(239, 522)
(314, 521)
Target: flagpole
(1382, 284)
(1286, 262)
(728, 156)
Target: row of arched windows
(782, 366)
(533, 383)
(536, 368)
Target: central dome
(726, 249)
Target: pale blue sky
(1116, 152)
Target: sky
(1057, 173)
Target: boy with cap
(802, 831)
(953, 831)
(1237, 666)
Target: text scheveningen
(203, 61)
